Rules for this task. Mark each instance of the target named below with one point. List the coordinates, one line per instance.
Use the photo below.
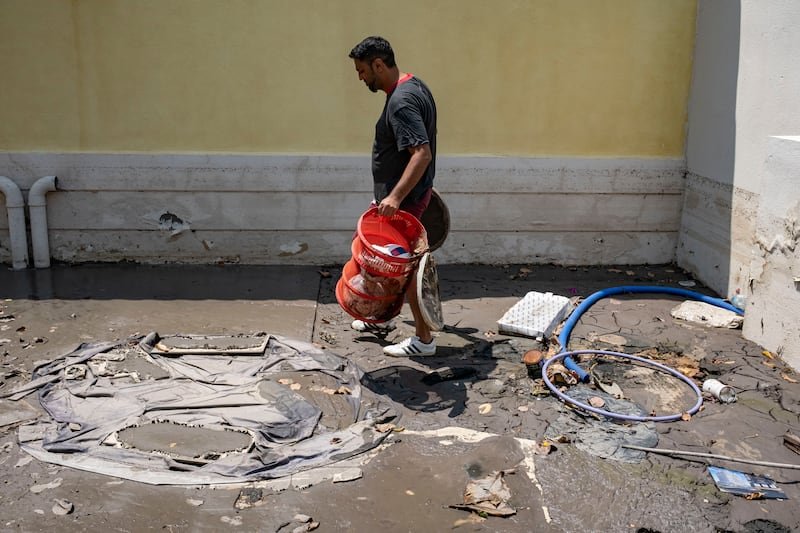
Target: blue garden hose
(630, 418)
(563, 337)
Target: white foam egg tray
(536, 315)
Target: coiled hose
(563, 337)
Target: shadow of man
(442, 387)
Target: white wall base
(716, 233)
(284, 209)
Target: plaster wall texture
(578, 108)
(705, 244)
(769, 85)
(711, 141)
(521, 78)
(774, 293)
(744, 89)
(258, 209)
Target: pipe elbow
(38, 191)
(12, 193)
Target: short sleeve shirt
(408, 119)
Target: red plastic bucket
(373, 282)
(356, 294)
(401, 229)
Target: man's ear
(378, 65)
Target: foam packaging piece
(536, 315)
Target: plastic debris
(488, 495)
(719, 390)
(248, 497)
(707, 314)
(544, 447)
(750, 486)
(62, 507)
(559, 375)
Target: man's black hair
(372, 48)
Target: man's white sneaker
(369, 327)
(410, 347)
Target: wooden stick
(665, 451)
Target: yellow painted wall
(516, 77)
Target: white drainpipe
(37, 207)
(16, 223)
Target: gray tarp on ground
(224, 390)
(601, 436)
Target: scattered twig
(665, 451)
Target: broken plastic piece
(488, 495)
(742, 484)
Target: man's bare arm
(421, 157)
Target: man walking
(403, 160)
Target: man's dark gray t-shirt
(408, 120)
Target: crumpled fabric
(217, 391)
(603, 437)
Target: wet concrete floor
(411, 483)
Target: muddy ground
(410, 484)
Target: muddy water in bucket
(384, 256)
